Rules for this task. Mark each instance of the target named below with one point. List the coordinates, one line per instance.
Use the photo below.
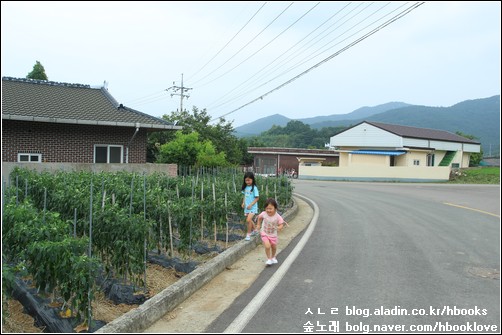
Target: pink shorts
(271, 239)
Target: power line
(310, 57)
(147, 97)
(219, 67)
(263, 47)
(146, 100)
(290, 58)
(230, 40)
(154, 97)
(395, 18)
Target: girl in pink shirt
(272, 222)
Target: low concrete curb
(156, 307)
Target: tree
(38, 72)
(189, 150)
(183, 150)
(208, 157)
(220, 134)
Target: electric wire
(306, 47)
(147, 97)
(311, 56)
(219, 67)
(263, 47)
(350, 45)
(154, 97)
(146, 100)
(209, 61)
(275, 60)
(306, 59)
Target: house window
(108, 153)
(29, 158)
(416, 162)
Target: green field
(478, 175)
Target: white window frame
(108, 146)
(30, 156)
(416, 162)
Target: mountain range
(479, 118)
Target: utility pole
(182, 90)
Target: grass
(477, 175)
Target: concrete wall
(466, 157)
(376, 173)
(148, 168)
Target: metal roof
(421, 133)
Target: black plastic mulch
(176, 263)
(47, 317)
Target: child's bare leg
(266, 244)
(274, 250)
(249, 220)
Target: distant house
(272, 161)
(51, 122)
(380, 151)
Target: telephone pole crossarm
(182, 90)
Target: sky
(245, 60)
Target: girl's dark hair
(271, 201)
(251, 176)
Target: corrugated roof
(46, 101)
(427, 133)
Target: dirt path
(197, 312)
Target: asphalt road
(380, 252)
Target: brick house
(51, 122)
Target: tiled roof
(422, 133)
(46, 101)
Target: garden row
(68, 229)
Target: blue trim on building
(378, 152)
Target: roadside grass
(477, 175)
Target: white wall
(365, 135)
(476, 148)
(376, 173)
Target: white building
(387, 152)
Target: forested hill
(264, 124)
(479, 118)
